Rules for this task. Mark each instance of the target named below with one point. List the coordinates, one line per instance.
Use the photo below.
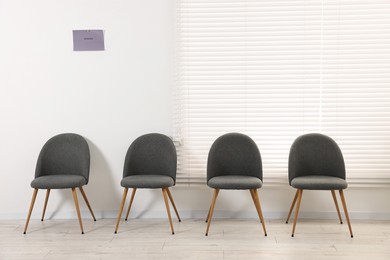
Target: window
(276, 69)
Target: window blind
(276, 69)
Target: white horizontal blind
(356, 83)
(276, 69)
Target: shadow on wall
(100, 189)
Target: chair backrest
(151, 154)
(234, 154)
(64, 154)
(315, 154)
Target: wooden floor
(228, 239)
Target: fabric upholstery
(234, 154)
(151, 154)
(314, 155)
(58, 182)
(64, 154)
(319, 183)
(147, 181)
(235, 182)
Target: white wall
(111, 97)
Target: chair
(316, 163)
(234, 163)
(63, 163)
(150, 163)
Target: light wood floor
(228, 239)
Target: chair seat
(58, 182)
(147, 181)
(313, 182)
(235, 182)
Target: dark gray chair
(63, 163)
(316, 163)
(150, 163)
(234, 163)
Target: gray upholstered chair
(234, 163)
(316, 163)
(150, 163)
(63, 163)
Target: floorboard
(228, 239)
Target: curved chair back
(234, 154)
(315, 154)
(64, 154)
(151, 154)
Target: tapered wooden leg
(258, 208)
(31, 208)
(346, 211)
(254, 201)
(292, 206)
(164, 191)
(121, 209)
(337, 206)
(76, 202)
(297, 211)
(208, 214)
(173, 203)
(253, 197)
(87, 202)
(44, 206)
(216, 191)
(131, 202)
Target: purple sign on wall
(88, 40)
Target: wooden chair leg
(173, 203)
(87, 202)
(121, 209)
(44, 206)
(76, 202)
(292, 206)
(297, 211)
(131, 202)
(337, 206)
(208, 214)
(346, 211)
(258, 208)
(31, 208)
(164, 191)
(254, 199)
(216, 191)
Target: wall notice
(88, 40)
